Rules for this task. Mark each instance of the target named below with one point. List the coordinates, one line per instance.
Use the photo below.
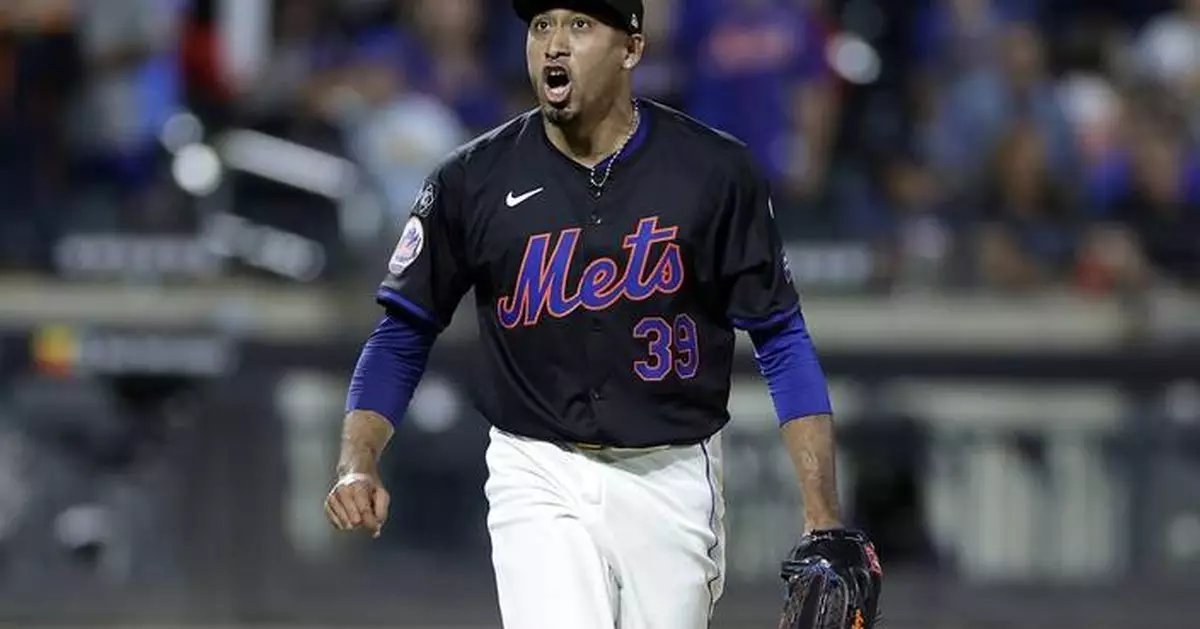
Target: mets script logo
(542, 281)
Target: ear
(635, 46)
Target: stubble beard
(558, 117)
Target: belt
(595, 447)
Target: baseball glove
(833, 580)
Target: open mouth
(556, 83)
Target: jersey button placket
(596, 345)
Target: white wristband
(353, 478)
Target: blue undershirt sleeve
(788, 361)
(390, 366)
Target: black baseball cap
(625, 15)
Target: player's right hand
(358, 502)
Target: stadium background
(993, 207)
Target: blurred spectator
(1168, 47)
(660, 74)
(451, 61)
(918, 244)
(207, 83)
(1094, 108)
(1030, 149)
(953, 38)
(1026, 239)
(437, 45)
(758, 71)
(290, 72)
(973, 114)
(393, 130)
(132, 87)
(1161, 209)
(1168, 55)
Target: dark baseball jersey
(605, 318)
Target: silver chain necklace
(599, 185)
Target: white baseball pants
(605, 539)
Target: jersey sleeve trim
(389, 298)
(769, 322)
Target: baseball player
(613, 245)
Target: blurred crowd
(1007, 144)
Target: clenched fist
(358, 502)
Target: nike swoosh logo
(513, 201)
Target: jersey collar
(632, 149)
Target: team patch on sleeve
(423, 204)
(412, 240)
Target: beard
(559, 117)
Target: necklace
(598, 185)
